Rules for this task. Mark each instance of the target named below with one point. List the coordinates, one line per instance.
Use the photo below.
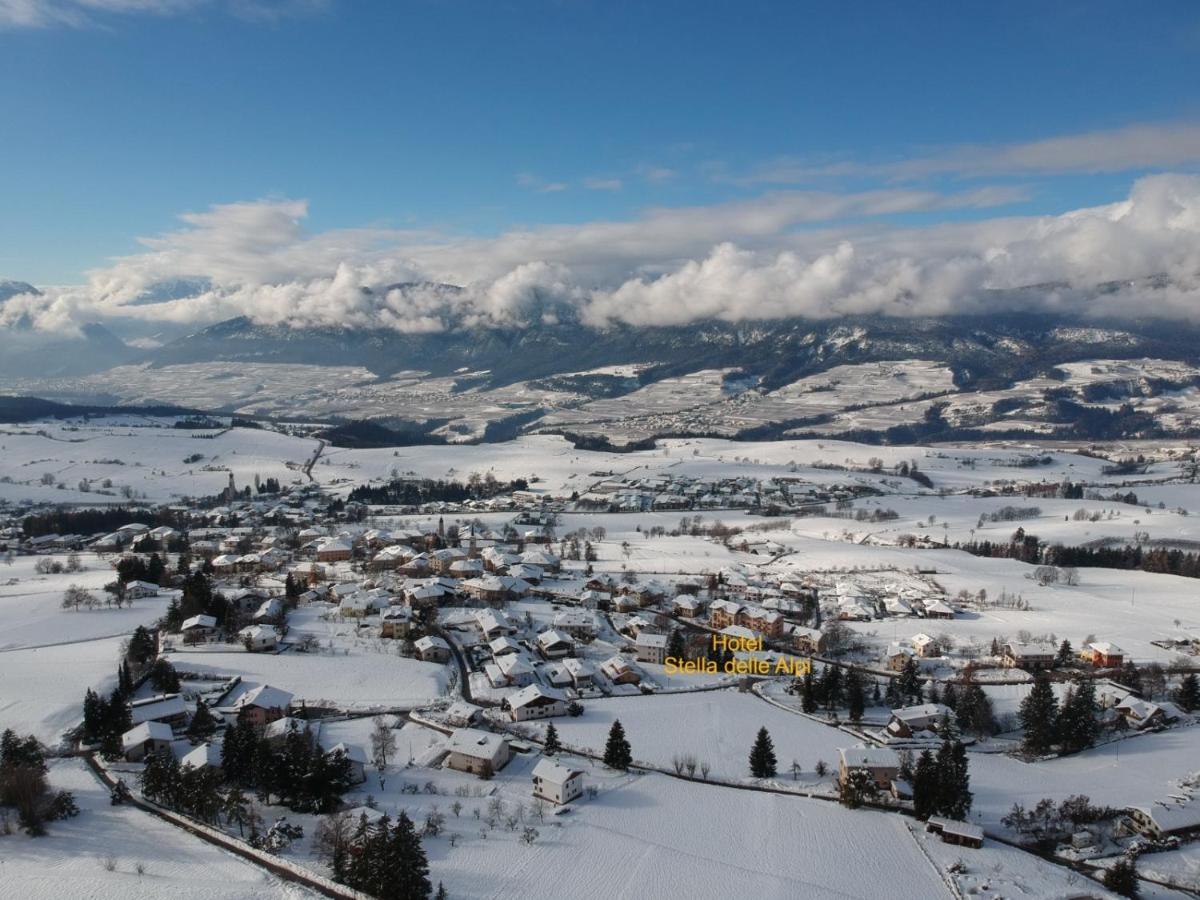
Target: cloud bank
(784, 254)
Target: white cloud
(602, 184)
(80, 13)
(541, 185)
(790, 253)
(1140, 146)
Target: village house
(809, 640)
(1165, 820)
(881, 764)
(496, 588)
(432, 648)
(516, 670)
(136, 590)
(581, 672)
(493, 624)
(651, 648)
(952, 831)
(334, 551)
(1103, 655)
(936, 609)
(686, 606)
(460, 714)
(259, 637)
(1029, 657)
(356, 757)
(578, 623)
(911, 720)
(898, 656)
(263, 704)
(555, 783)
(1140, 714)
(395, 622)
(166, 708)
(204, 756)
(504, 644)
(620, 670)
(477, 752)
(555, 644)
(198, 629)
(535, 702)
(925, 646)
(146, 739)
(723, 613)
(763, 621)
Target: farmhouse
(952, 831)
(432, 648)
(136, 590)
(1163, 820)
(925, 645)
(146, 740)
(535, 702)
(167, 708)
(198, 629)
(1103, 655)
(480, 752)
(881, 764)
(910, 720)
(263, 704)
(1028, 656)
(555, 783)
(259, 637)
(493, 624)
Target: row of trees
(295, 770)
(24, 788)
(1072, 726)
(384, 859)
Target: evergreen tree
(1131, 677)
(552, 745)
(617, 752)
(141, 647)
(925, 786)
(117, 721)
(831, 687)
(124, 680)
(953, 781)
(202, 724)
(676, 647)
(164, 678)
(1077, 723)
(909, 683)
(808, 700)
(1039, 716)
(1121, 878)
(932, 694)
(1187, 695)
(950, 697)
(855, 701)
(94, 715)
(1065, 654)
(411, 875)
(762, 756)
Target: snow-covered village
(231, 657)
(599, 450)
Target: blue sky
(478, 117)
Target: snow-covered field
(717, 727)
(71, 861)
(41, 689)
(31, 613)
